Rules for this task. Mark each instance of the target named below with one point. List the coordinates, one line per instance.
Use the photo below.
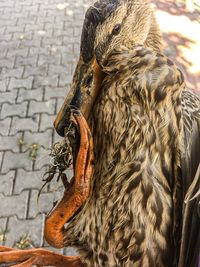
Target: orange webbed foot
(79, 190)
(38, 257)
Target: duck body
(137, 123)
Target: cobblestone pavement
(39, 45)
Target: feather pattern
(144, 151)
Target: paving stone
(28, 180)
(23, 35)
(33, 71)
(11, 142)
(3, 233)
(1, 157)
(8, 205)
(21, 83)
(17, 52)
(12, 29)
(11, 44)
(38, 42)
(58, 69)
(7, 63)
(2, 30)
(46, 121)
(18, 228)
(22, 124)
(6, 183)
(50, 59)
(66, 32)
(16, 160)
(12, 110)
(45, 81)
(59, 92)
(45, 33)
(44, 139)
(19, 15)
(4, 84)
(6, 37)
(6, 4)
(24, 61)
(17, 73)
(42, 107)
(60, 102)
(8, 97)
(35, 94)
(3, 52)
(30, 43)
(29, 20)
(5, 126)
(45, 203)
(38, 51)
(42, 159)
(2, 225)
(64, 80)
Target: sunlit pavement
(181, 29)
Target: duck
(135, 198)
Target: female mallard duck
(138, 205)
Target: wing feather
(190, 166)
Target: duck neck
(154, 38)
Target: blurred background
(39, 47)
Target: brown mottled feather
(145, 126)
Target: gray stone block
(59, 92)
(17, 52)
(4, 84)
(46, 121)
(51, 59)
(45, 81)
(25, 95)
(8, 97)
(44, 204)
(30, 43)
(38, 51)
(58, 69)
(22, 124)
(44, 139)
(13, 110)
(14, 205)
(5, 126)
(42, 159)
(26, 180)
(6, 183)
(18, 228)
(42, 107)
(26, 61)
(16, 160)
(35, 71)
(21, 83)
(7, 62)
(11, 142)
(64, 80)
(17, 73)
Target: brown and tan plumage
(143, 205)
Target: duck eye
(116, 29)
(88, 80)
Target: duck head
(108, 25)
